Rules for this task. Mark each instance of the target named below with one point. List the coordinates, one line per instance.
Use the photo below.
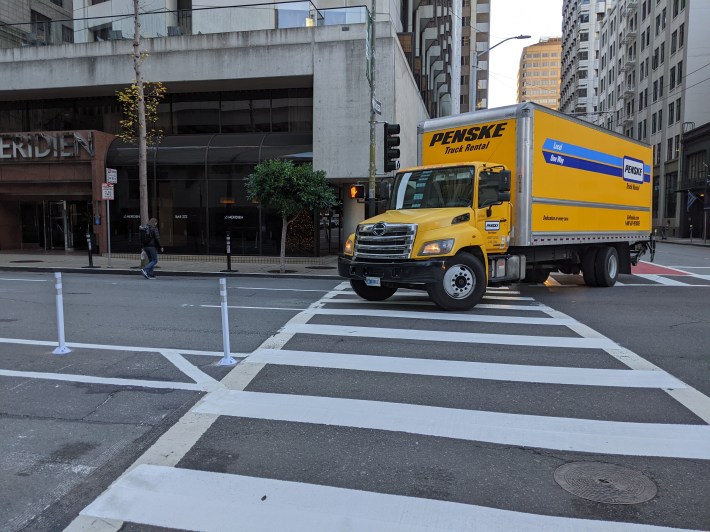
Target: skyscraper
(539, 72)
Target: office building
(653, 86)
(292, 83)
(539, 73)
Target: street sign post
(107, 196)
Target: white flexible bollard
(62, 349)
(227, 359)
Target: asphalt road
(357, 416)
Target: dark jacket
(154, 238)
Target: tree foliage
(153, 94)
(289, 189)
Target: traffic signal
(391, 152)
(357, 191)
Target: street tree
(289, 189)
(140, 109)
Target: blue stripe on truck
(572, 156)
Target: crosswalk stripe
(660, 279)
(213, 502)
(441, 316)
(565, 434)
(491, 306)
(469, 370)
(451, 336)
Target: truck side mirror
(386, 188)
(503, 196)
(504, 185)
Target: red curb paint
(646, 267)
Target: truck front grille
(384, 241)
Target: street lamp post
(474, 71)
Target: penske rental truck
(501, 196)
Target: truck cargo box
(573, 182)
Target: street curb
(136, 272)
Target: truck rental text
(506, 195)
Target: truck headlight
(348, 248)
(437, 247)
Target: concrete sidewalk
(191, 265)
(195, 265)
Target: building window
(677, 110)
(672, 82)
(41, 27)
(59, 3)
(670, 153)
(671, 112)
(671, 195)
(679, 80)
(67, 34)
(681, 35)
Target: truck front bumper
(405, 272)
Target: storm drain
(606, 483)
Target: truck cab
(446, 230)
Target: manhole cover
(607, 483)
(279, 271)
(320, 267)
(25, 261)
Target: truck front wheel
(372, 293)
(463, 284)
(607, 266)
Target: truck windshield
(434, 188)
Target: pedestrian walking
(150, 238)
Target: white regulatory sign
(107, 191)
(111, 175)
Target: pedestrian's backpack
(146, 234)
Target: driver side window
(488, 186)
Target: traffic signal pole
(373, 119)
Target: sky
(537, 18)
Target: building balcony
(629, 92)
(630, 37)
(629, 65)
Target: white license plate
(372, 281)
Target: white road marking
(415, 294)
(564, 434)
(279, 289)
(196, 374)
(130, 348)
(181, 437)
(470, 370)
(26, 280)
(256, 308)
(661, 280)
(215, 502)
(450, 336)
(440, 316)
(689, 397)
(430, 304)
(89, 379)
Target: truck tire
(588, 267)
(606, 266)
(463, 285)
(372, 293)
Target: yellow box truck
(506, 195)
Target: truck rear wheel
(588, 267)
(463, 285)
(372, 293)
(606, 265)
